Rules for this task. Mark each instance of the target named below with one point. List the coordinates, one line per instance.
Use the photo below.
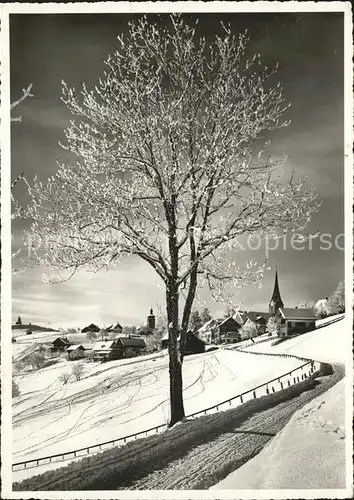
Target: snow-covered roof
(63, 340)
(297, 313)
(132, 341)
(74, 347)
(87, 347)
(98, 346)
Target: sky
(46, 49)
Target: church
(290, 321)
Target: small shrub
(15, 389)
(64, 378)
(78, 354)
(35, 359)
(77, 371)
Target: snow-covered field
(117, 398)
(327, 344)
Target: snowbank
(330, 344)
(309, 453)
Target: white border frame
(6, 369)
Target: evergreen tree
(336, 301)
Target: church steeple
(151, 320)
(275, 301)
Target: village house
(193, 345)
(117, 348)
(115, 329)
(74, 351)
(60, 344)
(256, 318)
(91, 328)
(220, 330)
(294, 321)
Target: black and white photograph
(176, 238)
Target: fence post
(254, 394)
(241, 399)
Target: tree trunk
(175, 361)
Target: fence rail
(284, 380)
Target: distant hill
(34, 328)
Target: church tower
(275, 301)
(151, 320)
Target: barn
(60, 344)
(118, 348)
(194, 344)
(91, 328)
(74, 351)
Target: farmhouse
(131, 343)
(74, 351)
(294, 321)
(60, 344)
(220, 330)
(107, 351)
(90, 328)
(115, 329)
(257, 318)
(194, 344)
(118, 348)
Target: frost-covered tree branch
(170, 166)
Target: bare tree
(307, 304)
(64, 378)
(77, 371)
(205, 315)
(272, 327)
(170, 166)
(17, 210)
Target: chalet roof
(115, 328)
(99, 346)
(221, 321)
(189, 335)
(254, 315)
(297, 313)
(74, 347)
(132, 342)
(87, 347)
(207, 325)
(63, 340)
(90, 328)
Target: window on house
(301, 324)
